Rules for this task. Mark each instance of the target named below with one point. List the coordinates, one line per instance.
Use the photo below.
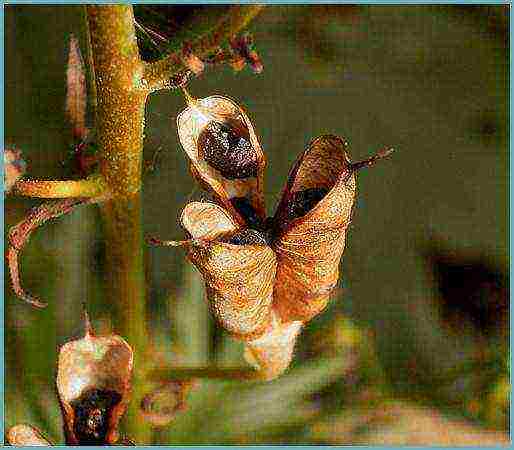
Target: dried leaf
(221, 144)
(93, 383)
(76, 95)
(20, 234)
(26, 436)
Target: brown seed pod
(93, 383)
(313, 217)
(238, 268)
(272, 353)
(224, 152)
(26, 436)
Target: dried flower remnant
(26, 436)
(76, 95)
(162, 405)
(265, 277)
(93, 383)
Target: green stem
(157, 75)
(119, 127)
(188, 373)
(93, 186)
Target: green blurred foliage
(430, 81)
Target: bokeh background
(414, 346)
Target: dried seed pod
(313, 217)
(26, 436)
(272, 352)
(93, 383)
(238, 270)
(225, 154)
(14, 167)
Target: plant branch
(157, 75)
(93, 186)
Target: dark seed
(303, 201)
(92, 412)
(245, 208)
(228, 152)
(247, 237)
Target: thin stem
(157, 75)
(217, 373)
(93, 186)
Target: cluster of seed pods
(265, 276)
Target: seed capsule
(26, 436)
(224, 152)
(93, 383)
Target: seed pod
(93, 383)
(238, 269)
(272, 353)
(26, 436)
(312, 219)
(224, 152)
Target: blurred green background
(415, 342)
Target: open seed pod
(237, 265)
(93, 383)
(225, 153)
(272, 353)
(26, 436)
(311, 223)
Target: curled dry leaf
(14, 167)
(26, 436)
(20, 234)
(224, 152)
(93, 383)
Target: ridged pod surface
(309, 248)
(238, 278)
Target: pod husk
(103, 363)
(190, 124)
(272, 353)
(238, 278)
(309, 248)
(26, 436)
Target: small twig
(93, 186)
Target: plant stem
(93, 186)
(218, 373)
(119, 130)
(157, 75)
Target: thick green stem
(119, 130)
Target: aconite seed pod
(238, 268)
(93, 383)
(224, 152)
(271, 353)
(311, 223)
(26, 436)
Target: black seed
(228, 152)
(303, 201)
(245, 208)
(92, 412)
(247, 237)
